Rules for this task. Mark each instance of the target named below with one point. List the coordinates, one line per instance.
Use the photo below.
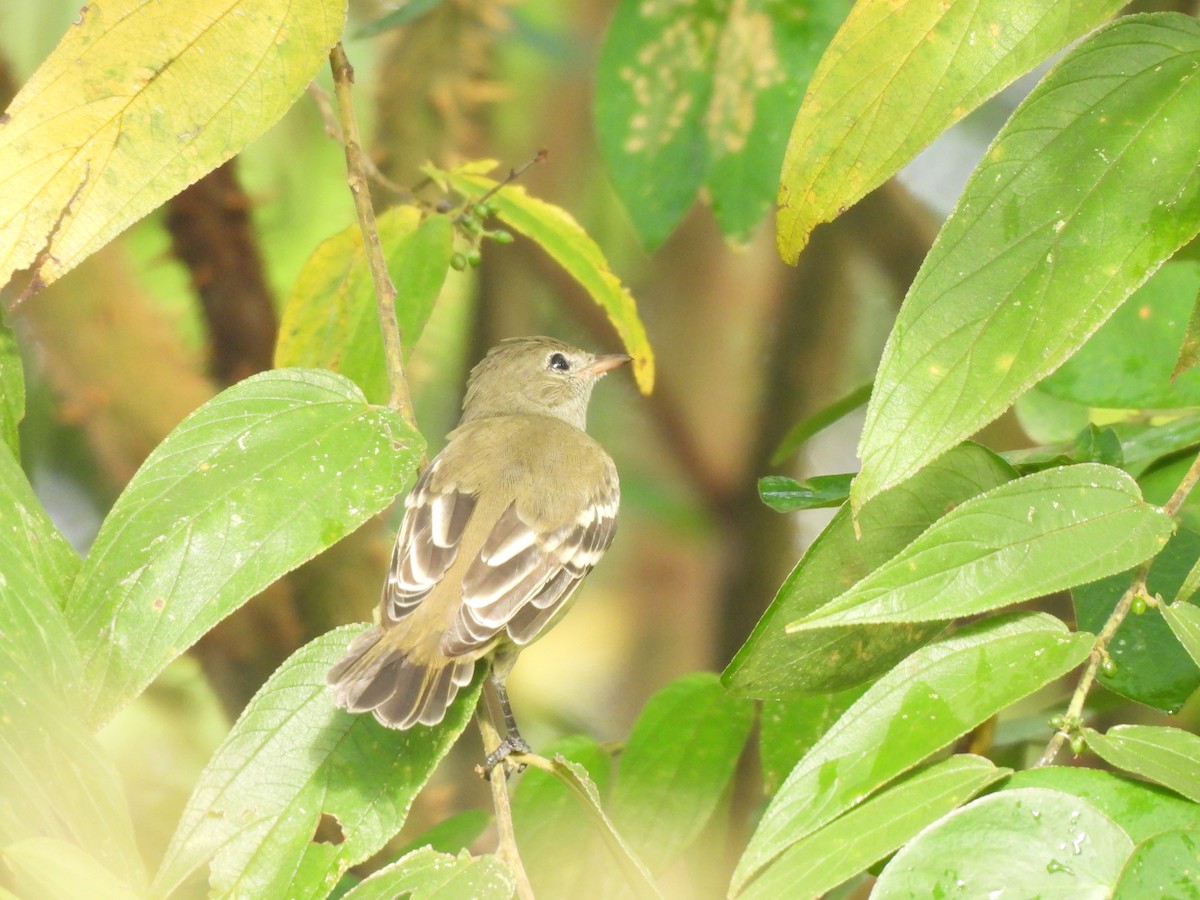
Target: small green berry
(1138, 606)
(1077, 743)
(474, 258)
(1108, 666)
(458, 262)
(500, 236)
(1058, 721)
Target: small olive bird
(498, 532)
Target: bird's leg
(512, 742)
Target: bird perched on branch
(498, 532)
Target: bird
(498, 532)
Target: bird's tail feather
(400, 692)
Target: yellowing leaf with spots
(702, 94)
(556, 232)
(140, 99)
(1090, 186)
(895, 77)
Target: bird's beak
(603, 364)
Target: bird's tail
(401, 692)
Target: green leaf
(868, 833)
(12, 390)
(138, 101)
(1168, 756)
(772, 663)
(1184, 621)
(428, 875)
(704, 93)
(948, 687)
(1189, 349)
(1167, 865)
(860, 123)
(788, 728)
(800, 433)
(452, 834)
(1030, 843)
(261, 478)
(1042, 533)
(1091, 184)
(1142, 810)
(546, 818)
(1151, 665)
(1091, 444)
(331, 319)
(46, 868)
(291, 760)
(676, 766)
(553, 229)
(1128, 363)
(784, 494)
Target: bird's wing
(427, 543)
(524, 575)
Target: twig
(507, 849)
(513, 175)
(1074, 713)
(385, 291)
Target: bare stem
(385, 290)
(507, 849)
(1072, 717)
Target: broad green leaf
(553, 229)
(772, 663)
(261, 478)
(1184, 621)
(138, 101)
(331, 319)
(1142, 810)
(1042, 533)
(1167, 865)
(1151, 665)
(868, 833)
(546, 818)
(292, 759)
(1128, 363)
(428, 875)
(1091, 444)
(1168, 756)
(1088, 188)
(1031, 842)
(676, 766)
(789, 727)
(784, 494)
(800, 433)
(12, 390)
(1144, 445)
(452, 834)
(703, 93)
(948, 687)
(46, 868)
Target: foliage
(899, 692)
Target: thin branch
(1074, 713)
(507, 849)
(385, 291)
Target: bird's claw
(501, 755)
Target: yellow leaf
(140, 99)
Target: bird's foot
(511, 744)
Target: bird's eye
(559, 362)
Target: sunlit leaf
(46, 868)
(677, 764)
(1128, 363)
(1167, 865)
(938, 686)
(860, 123)
(331, 320)
(772, 663)
(868, 833)
(1031, 842)
(1089, 187)
(291, 760)
(553, 229)
(784, 494)
(1042, 533)
(452, 834)
(702, 94)
(12, 390)
(138, 101)
(1168, 756)
(259, 479)
(1150, 664)
(429, 875)
(1184, 621)
(788, 728)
